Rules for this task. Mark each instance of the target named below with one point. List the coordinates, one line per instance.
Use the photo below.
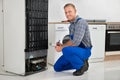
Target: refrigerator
(1, 33)
(25, 36)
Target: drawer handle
(94, 27)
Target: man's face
(70, 13)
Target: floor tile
(109, 70)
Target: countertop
(105, 23)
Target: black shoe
(79, 72)
(86, 65)
(82, 70)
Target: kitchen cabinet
(58, 30)
(97, 32)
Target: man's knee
(66, 50)
(56, 68)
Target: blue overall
(73, 57)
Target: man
(78, 49)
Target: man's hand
(58, 48)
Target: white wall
(88, 9)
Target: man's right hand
(58, 48)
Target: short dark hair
(69, 4)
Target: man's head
(70, 11)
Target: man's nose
(67, 14)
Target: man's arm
(69, 43)
(61, 46)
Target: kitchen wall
(88, 9)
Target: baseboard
(112, 57)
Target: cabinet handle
(60, 27)
(51, 44)
(94, 27)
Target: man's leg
(77, 57)
(62, 64)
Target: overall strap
(78, 19)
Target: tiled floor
(109, 70)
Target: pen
(58, 43)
